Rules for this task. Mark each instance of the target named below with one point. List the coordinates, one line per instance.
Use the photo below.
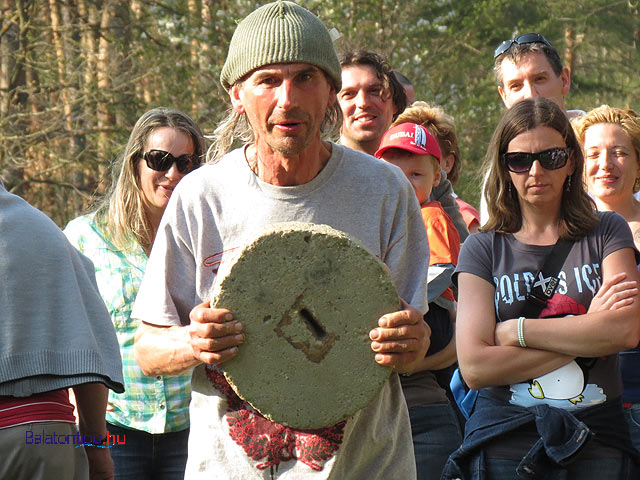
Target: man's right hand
(215, 335)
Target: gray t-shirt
(219, 208)
(512, 267)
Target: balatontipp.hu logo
(77, 439)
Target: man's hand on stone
(215, 335)
(401, 339)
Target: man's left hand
(401, 339)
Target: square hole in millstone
(305, 331)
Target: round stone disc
(307, 295)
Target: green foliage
(170, 52)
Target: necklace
(252, 161)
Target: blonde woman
(610, 139)
(151, 419)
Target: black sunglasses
(161, 161)
(552, 159)
(520, 40)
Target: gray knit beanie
(280, 32)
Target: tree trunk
(194, 53)
(9, 46)
(570, 45)
(13, 97)
(60, 49)
(104, 117)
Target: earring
(567, 186)
(509, 187)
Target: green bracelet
(521, 341)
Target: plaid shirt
(153, 404)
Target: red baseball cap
(411, 137)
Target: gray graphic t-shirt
(512, 267)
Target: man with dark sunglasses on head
(528, 66)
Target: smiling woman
(153, 412)
(610, 138)
(159, 178)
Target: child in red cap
(434, 423)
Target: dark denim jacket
(562, 435)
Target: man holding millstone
(282, 75)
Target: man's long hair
(235, 130)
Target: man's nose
(529, 90)
(361, 99)
(286, 93)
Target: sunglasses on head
(161, 161)
(520, 40)
(552, 159)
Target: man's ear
(502, 95)
(565, 76)
(235, 94)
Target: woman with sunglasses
(549, 403)
(151, 419)
(610, 139)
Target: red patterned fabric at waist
(51, 406)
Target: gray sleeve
(167, 292)
(476, 257)
(408, 254)
(443, 193)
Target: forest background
(76, 74)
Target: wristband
(521, 341)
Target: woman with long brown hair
(549, 401)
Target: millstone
(307, 295)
